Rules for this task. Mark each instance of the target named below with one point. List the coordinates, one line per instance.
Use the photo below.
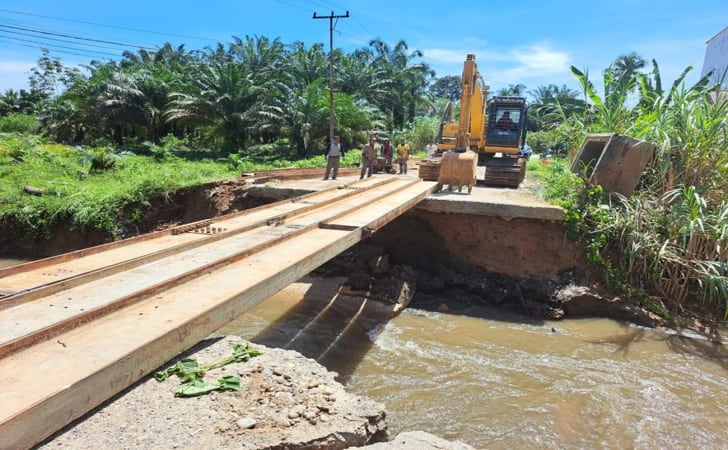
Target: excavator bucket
(458, 170)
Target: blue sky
(527, 42)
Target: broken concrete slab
(613, 161)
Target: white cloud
(14, 74)
(539, 61)
(532, 64)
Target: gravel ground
(287, 401)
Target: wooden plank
(63, 309)
(55, 274)
(55, 381)
(86, 366)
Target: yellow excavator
(493, 129)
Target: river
(499, 381)
(504, 382)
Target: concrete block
(615, 162)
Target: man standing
(334, 152)
(431, 148)
(505, 122)
(403, 153)
(368, 155)
(387, 154)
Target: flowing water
(505, 382)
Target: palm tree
(408, 80)
(515, 90)
(627, 65)
(554, 104)
(224, 96)
(135, 101)
(303, 114)
(259, 55)
(305, 66)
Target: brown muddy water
(503, 382)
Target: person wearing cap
(368, 155)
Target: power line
(20, 33)
(42, 47)
(327, 5)
(363, 27)
(56, 45)
(292, 5)
(331, 18)
(70, 36)
(106, 25)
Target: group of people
(335, 151)
(369, 156)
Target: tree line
(251, 90)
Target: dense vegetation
(156, 120)
(668, 243)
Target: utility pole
(331, 18)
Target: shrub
(19, 123)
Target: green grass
(90, 187)
(93, 198)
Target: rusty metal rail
(110, 315)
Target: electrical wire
(292, 5)
(92, 57)
(20, 33)
(106, 25)
(57, 45)
(70, 36)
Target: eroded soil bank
(527, 265)
(444, 262)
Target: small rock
(326, 390)
(282, 421)
(312, 384)
(284, 397)
(323, 407)
(296, 411)
(246, 423)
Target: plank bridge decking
(78, 328)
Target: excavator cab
(506, 120)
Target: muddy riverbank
(509, 262)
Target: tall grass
(669, 241)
